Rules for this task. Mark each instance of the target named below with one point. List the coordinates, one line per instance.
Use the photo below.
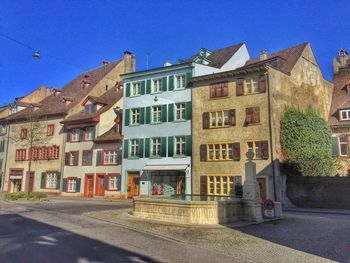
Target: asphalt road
(57, 231)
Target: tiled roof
(218, 57)
(54, 104)
(110, 136)
(340, 98)
(109, 98)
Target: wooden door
(89, 185)
(263, 188)
(133, 184)
(31, 182)
(100, 185)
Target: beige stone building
(241, 109)
(39, 166)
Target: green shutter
(98, 157)
(147, 147)
(164, 84)
(93, 132)
(163, 146)
(76, 158)
(188, 79)
(148, 86)
(43, 180)
(164, 113)
(126, 149)
(127, 90)
(171, 82)
(142, 116)
(127, 117)
(66, 159)
(64, 185)
(188, 146)
(171, 112)
(140, 148)
(143, 87)
(335, 151)
(77, 188)
(67, 135)
(119, 182)
(81, 135)
(106, 182)
(170, 146)
(148, 115)
(58, 180)
(188, 108)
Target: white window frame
(89, 132)
(156, 114)
(72, 185)
(51, 180)
(155, 147)
(113, 182)
(134, 148)
(180, 79)
(156, 85)
(135, 88)
(110, 156)
(75, 133)
(347, 113)
(180, 143)
(180, 109)
(340, 148)
(135, 116)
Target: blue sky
(76, 35)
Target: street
(69, 231)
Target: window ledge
(218, 98)
(133, 125)
(136, 95)
(155, 157)
(252, 124)
(180, 156)
(181, 120)
(156, 123)
(133, 158)
(158, 92)
(179, 89)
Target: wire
(18, 42)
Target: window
(157, 85)
(252, 115)
(90, 108)
(20, 155)
(24, 133)
(222, 184)
(251, 86)
(50, 129)
(156, 114)
(135, 116)
(180, 82)
(343, 145)
(2, 128)
(74, 135)
(259, 148)
(72, 185)
(87, 157)
(180, 145)
(219, 89)
(220, 151)
(180, 111)
(134, 148)
(72, 158)
(51, 180)
(135, 89)
(344, 115)
(89, 133)
(114, 181)
(110, 157)
(44, 152)
(155, 146)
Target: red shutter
(203, 152)
(203, 185)
(236, 151)
(205, 120)
(248, 115)
(232, 117)
(256, 115)
(212, 92)
(264, 150)
(262, 83)
(225, 89)
(239, 87)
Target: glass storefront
(167, 183)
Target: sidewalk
(88, 199)
(318, 210)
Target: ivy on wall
(306, 143)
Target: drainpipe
(270, 133)
(62, 158)
(192, 178)
(6, 156)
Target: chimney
(343, 57)
(263, 54)
(167, 64)
(129, 62)
(105, 62)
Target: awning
(165, 167)
(15, 177)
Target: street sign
(269, 206)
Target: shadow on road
(27, 240)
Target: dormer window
(90, 108)
(347, 88)
(84, 84)
(344, 115)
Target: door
(89, 185)
(263, 188)
(31, 182)
(133, 184)
(100, 185)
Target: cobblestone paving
(289, 240)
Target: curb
(329, 212)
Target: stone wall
(319, 192)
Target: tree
(306, 143)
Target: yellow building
(241, 109)
(39, 166)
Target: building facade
(238, 110)
(157, 122)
